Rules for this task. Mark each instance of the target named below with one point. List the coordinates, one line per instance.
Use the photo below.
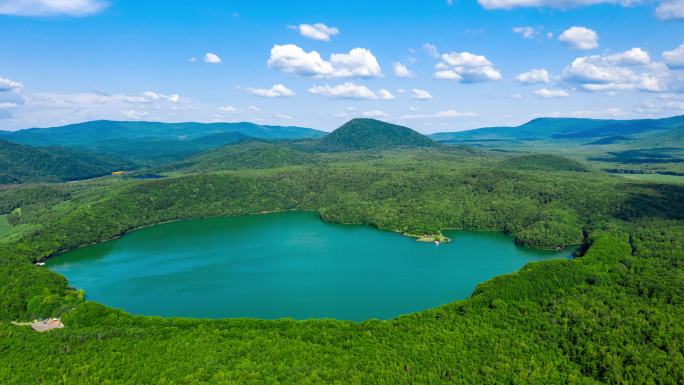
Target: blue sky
(430, 65)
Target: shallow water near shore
(288, 264)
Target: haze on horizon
(433, 66)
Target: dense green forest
(367, 134)
(612, 315)
(250, 154)
(22, 164)
(543, 162)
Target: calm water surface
(286, 265)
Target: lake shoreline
(287, 265)
(419, 238)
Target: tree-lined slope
(544, 162)
(371, 134)
(243, 155)
(20, 164)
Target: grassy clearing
(657, 178)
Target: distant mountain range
(84, 150)
(152, 142)
(586, 131)
(88, 133)
(79, 151)
(355, 135)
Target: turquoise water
(286, 265)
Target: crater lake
(289, 264)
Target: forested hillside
(22, 164)
(543, 162)
(367, 134)
(249, 154)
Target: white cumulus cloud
(431, 50)
(212, 58)
(151, 97)
(594, 73)
(674, 59)
(134, 115)
(293, 60)
(49, 108)
(401, 71)
(385, 94)
(634, 56)
(581, 38)
(7, 85)
(631, 69)
(670, 10)
(359, 62)
(594, 69)
(666, 10)
(454, 114)
(8, 105)
(318, 31)
(526, 32)
(446, 114)
(276, 91)
(420, 94)
(510, 4)
(534, 76)
(375, 114)
(228, 110)
(350, 90)
(547, 93)
(51, 7)
(466, 67)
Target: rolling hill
(552, 129)
(246, 154)
(20, 164)
(362, 136)
(371, 134)
(152, 143)
(542, 162)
